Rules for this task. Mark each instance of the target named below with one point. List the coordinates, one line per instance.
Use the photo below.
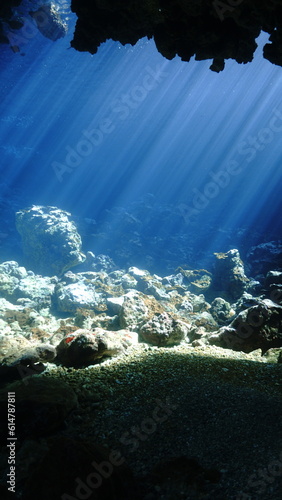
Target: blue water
(190, 158)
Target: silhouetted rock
(207, 30)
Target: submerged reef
(77, 319)
(127, 372)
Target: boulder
(51, 243)
(196, 302)
(204, 320)
(258, 327)
(20, 358)
(87, 347)
(229, 275)
(134, 311)
(164, 330)
(10, 274)
(221, 311)
(68, 298)
(198, 280)
(38, 289)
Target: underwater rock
(51, 243)
(84, 347)
(22, 359)
(12, 349)
(10, 274)
(152, 285)
(258, 327)
(36, 288)
(273, 355)
(204, 320)
(123, 279)
(186, 307)
(76, 295)
(6, 307)
(197, 301)
(133, 311)
(97, 263)
(136, 309)
(39, 327)
(128, 282)
(138, 273)
(221, 311)
(163, 330)
(88, 290)
(198, 280)
(245, 301)
(15, 348)
(229, 274)
(114, 304)
(265, 257)
(173, 280)
(75, 468)
(17, 283)
(7, 285)
(273, 278)
(49, 22)
(43, 404)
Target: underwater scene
(140, 259)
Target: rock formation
(51, 243)
(216, 30)
(207, 30)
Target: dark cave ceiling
(206, 29)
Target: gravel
(221, 407)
